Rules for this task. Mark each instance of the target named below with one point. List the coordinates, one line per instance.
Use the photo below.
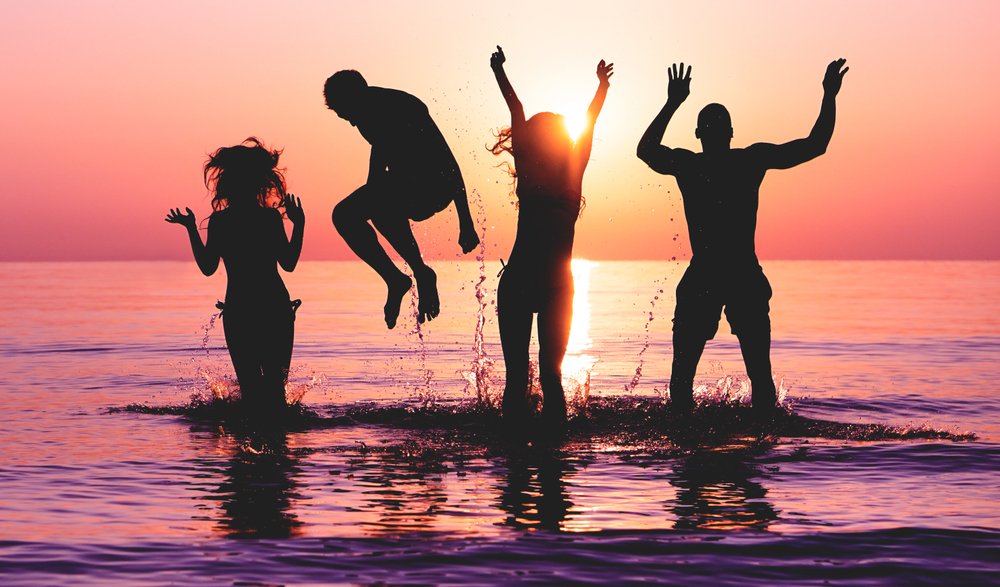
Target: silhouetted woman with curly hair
(246, 231)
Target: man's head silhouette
(715, 127)
(344, 93)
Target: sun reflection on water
(578, 365)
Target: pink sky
(108, 110)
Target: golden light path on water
(577, 365)
(594, 509)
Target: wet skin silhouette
(412, 174)
(719, 187)
(548, 166)
(246, 231)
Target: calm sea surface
(116, 468)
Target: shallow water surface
(884, 468)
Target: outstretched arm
(802, 150)
(290, 255)
(513, 104)
(650, 150)
(208, 261)
(586, 139)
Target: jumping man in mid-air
(412, 174)
(719, 187)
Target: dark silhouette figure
(412, 174)
(548, 166)
(246, 231)
(720, 187)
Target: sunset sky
(108, 110)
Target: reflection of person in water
(412, 174)
(548, 166)
(715, 492)
(259, 490)
(246, 231)
(535, 494)
(719, 187)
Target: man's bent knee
(355, 208)
(345, 215)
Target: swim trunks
(704, 291)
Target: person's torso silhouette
(720, 190)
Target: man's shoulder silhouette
(391, 103)
(738, 161)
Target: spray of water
(480, 378)
(208, 330)
(424, 390)
(736, 389)
(214, 381)
(631, 385)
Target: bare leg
(554, 323)
(756, 349)
(396, 229)
(515, 335)
(277, 355)
(245, 355)
(687, 353)
(351, 217)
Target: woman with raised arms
(548, 167)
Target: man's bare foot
(397, 290)
(429, 306)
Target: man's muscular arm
(650, 150)
(802, 150)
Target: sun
(574, 124)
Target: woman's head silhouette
(245, 174)
(545, 139)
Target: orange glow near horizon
(111, 109)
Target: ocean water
(118, 466)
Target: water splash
(299, 385)
(481, 377)
(632, 423)
(631, 385)
(424, 390)
(214, 385)
(208, 330)
(736, 389)
(576, 373)
(214, 382)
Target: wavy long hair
(244, 173)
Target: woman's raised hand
(187, 220)
(293, 209)
(605, 71)
(497, 59)
(834, 77)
